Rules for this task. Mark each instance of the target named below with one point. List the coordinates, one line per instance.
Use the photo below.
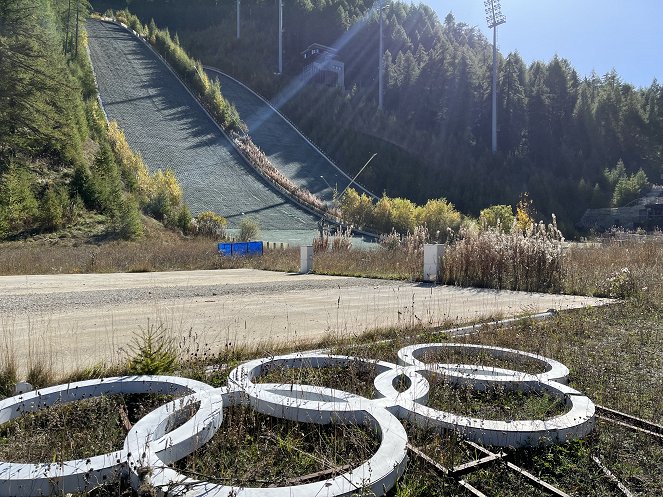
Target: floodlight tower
(238, 2)
(280, 36)
(381, 62)
(494, 17)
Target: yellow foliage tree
(524, 213)
(439, 216)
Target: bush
(128, 223)
(499, 217)
(211, 225)
(165, 197)
(18, 205)
(135, 174)
(440, 217)
(357, 209)
(153, 352)
(184, 219)
(248, 229)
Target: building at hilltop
(322, 66)
(645, 212)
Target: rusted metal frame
(471, 466)
(533, 479)
(631, 427)
(473, 490)
(124, 419)
(319, 474)
(645, 425)
(444, 471)
(612, 477)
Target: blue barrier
(241, 248)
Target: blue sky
(593, 34)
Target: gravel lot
(166, 125)
(73, 321)
(286, 148)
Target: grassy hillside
(63, 168)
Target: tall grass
(529, 260)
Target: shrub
(620, 284)
(133, 170)
(524, 213)
(499, 217)
(248, 229)
(165, 196)
(18, 205)
(8, 377)
(128, 223)
(357, 209)
(184, 219)
(440, 217)
(628, 188)
(104, 185)
(210, 224)
(153, 352)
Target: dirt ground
(72, 321)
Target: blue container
(240, 248)
(226, 249)
(254, 248)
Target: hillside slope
(162, 121)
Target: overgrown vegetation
(613, 352)
(400, 215)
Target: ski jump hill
(165, 124)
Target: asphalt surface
(164, 123)
(285, 147)
(75, 321)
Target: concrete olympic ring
(58, 478)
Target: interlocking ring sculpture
(152, 445)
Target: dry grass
(171, 253)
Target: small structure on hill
(322, 66)
(645, 212)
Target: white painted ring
(577, 422)
(553, 370)
(378, 474)
(19, 480)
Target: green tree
(497, 216)
(440, 217)
(628, 188)
(18, 205)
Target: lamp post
(238, 5)
(381, 62)
(280, 36)
(494, 17)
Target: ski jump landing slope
(165, 124)
(287, 149)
